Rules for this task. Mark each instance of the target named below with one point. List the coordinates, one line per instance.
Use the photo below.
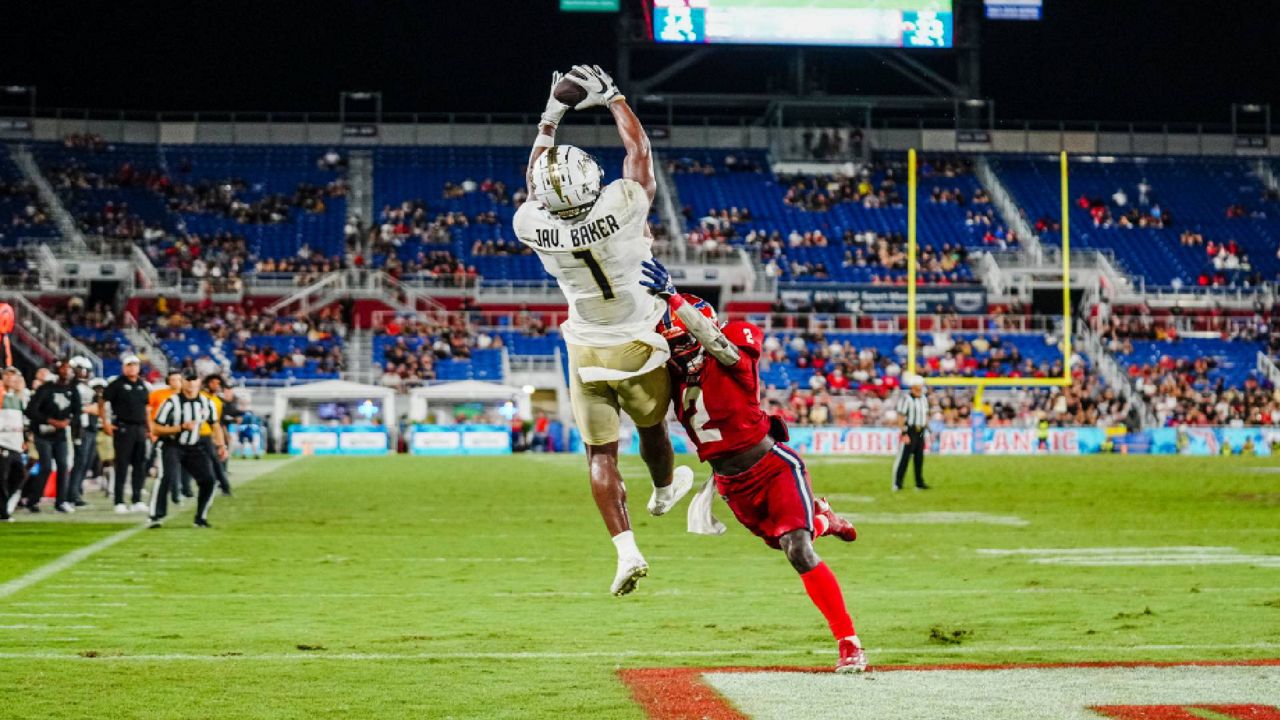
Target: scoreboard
(867, 23)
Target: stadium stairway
(66, 224)
(358, 355)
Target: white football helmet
(566, 180)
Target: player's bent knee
(797, 545)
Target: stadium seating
(408, 174)
(763, 193)
(1196, 193)
(1234, 361)
(1033, 353)
(194, 343)
(152, 170)
(15, 197)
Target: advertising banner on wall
(339, 440)
(985, 440)
(878, 299)
(460, 440)
(1211, 441)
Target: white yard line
(23, 582)
(48, 627)
(50, 615)
(620, 654)
(74, 557)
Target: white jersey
(596, 260)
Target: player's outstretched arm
(546, 137)
(702, 329)
(638, 165)
(602, 90)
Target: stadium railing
(1112, 374)
(1267, 368)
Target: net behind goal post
(981, 383)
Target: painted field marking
(848, 498)
(1136, 556)
(76, 556)
(936, 518)
(50, 615)
(48, 627)
(47, 604)
(955, 692)
(635, 655)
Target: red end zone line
(680, 694)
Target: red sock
(824, 591)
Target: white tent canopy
(334, 391)
(466, 391)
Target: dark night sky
(1142, 60)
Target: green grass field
(423, 588)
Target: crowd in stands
(732, 163)
(1121, 214)
(245, 333)
(306, 266)
(852, 385)
(217, 260)
(422, 341)
(937, 266)
(1186, 387)
(225, 197)
(24, 206)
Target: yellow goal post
(982, 383)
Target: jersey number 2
(597, 272)
(693, 400)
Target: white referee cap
(912, 380)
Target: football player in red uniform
(716, 386)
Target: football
(569, 92)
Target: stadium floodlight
(984, 382)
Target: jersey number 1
(597, 272)
(693, 400)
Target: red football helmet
(686, 351)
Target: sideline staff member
(179, 420)
(127, 395)
(54, 412)
(913, 424)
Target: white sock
(664, 493)
(625, 542)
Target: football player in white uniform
(592, 240)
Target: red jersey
(721, 412)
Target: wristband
(615, 99)
(544, 140)
(555, 112)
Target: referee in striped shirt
(913, 423)
(178, 420)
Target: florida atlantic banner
(986, 440)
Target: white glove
(601, 89)
(555, 109)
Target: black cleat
(80, 503)
(32, 507)
(155, 523)
(923, 486)
(202, 524)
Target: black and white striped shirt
(179, 409)
(915, 410)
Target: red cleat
(835, 525)
(852, 658)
